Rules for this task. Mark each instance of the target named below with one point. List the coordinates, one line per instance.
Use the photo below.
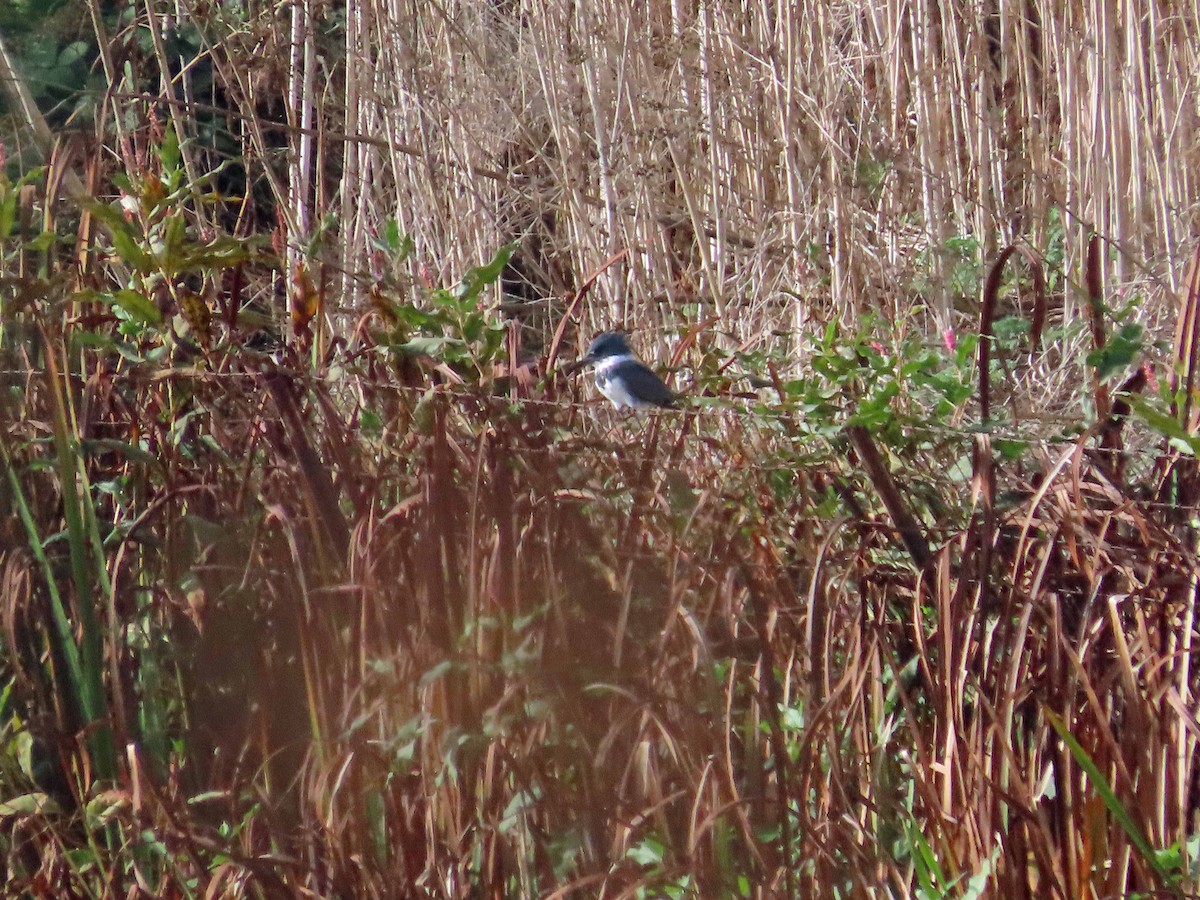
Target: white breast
(614, 389)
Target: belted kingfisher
(622, 378)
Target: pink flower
(948, 339)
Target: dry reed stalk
(780, 144)
(742, 155)
(495, 693)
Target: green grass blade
(1115, 807)
(62, 623)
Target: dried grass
(771, 166)
(361, 629)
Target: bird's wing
(646, 385)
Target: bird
(622, 377)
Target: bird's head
(606, 346)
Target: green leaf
(929, 873)
(1118, 353)
(480, 277)
(436, 672)
(173, 234)
(31, 176)
(102, 807)
(74, 52)
(222, 252)
(24, 747)
(1011, 450)
(472, 328)
(977, 885)
(416, 318)
(1131, 332)
(370, 423)
(111, 445)
(514, 813)
(33, 804)
(125, 242)
(1115, 807)
(1011, 328)
(42, 242)
(391, 241)
(139, 307)
(93, 339)
(1168, 426)
(428, 346)
(648, 853)
(168, 154)
(208, 797)
(8, 210)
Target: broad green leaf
(1124, 347)
(174, 231)
(428, 346)
(32, 804)
(1168, 426)
(125, 242)
(1010, 449)
(139, 307)
(392, 235)
(481, 276)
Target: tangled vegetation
(322, 574)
